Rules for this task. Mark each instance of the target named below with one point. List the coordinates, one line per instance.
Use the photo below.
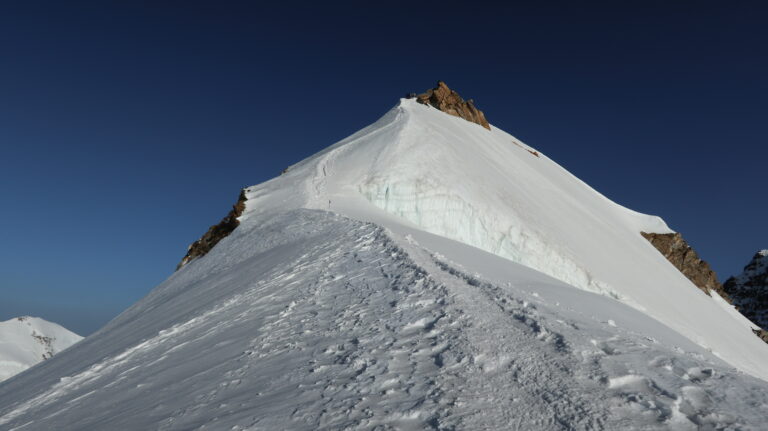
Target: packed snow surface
(424, 273)
(25, 341)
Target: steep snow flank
(25, 341)
(330, 323)
(421, 168)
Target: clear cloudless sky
(129, 127)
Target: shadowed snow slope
(25, 341)
(407, 278)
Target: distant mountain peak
(757, 268)
(749, 291)
(27, 340)
(449, 101)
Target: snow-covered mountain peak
(758, 266)
(424, 273)
(422, 169)
(26, 340)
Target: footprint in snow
(605, 347)
(698, 374)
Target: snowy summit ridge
(423, 273)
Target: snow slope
(25, 341)
(329, 323)
(407, 278)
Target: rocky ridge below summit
(687, 261)
(215, 233)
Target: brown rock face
(685, 259)
(215, 233)
(449, 101)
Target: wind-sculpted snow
(330, 323)
(441, 211)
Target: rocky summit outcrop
(686, 260)
(215, 233)
(749, 292)
(449, 101)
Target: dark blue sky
(127, 128)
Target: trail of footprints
(377, 335)
(669, 391)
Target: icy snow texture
(397, 280)
(25, 341)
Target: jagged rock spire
(449, 101)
